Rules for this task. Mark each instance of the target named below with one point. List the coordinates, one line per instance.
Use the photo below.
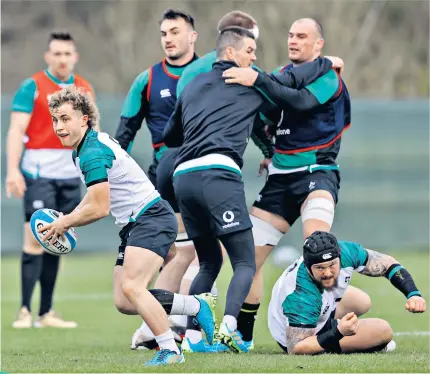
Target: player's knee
(264, 233)
(124, 308)
(131, 287)
(32, 249)
(185, 254)
(319, 208)
(385, 331)
(364, 305)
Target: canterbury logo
(326, 256)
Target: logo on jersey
(326, 256)
(311, 185)
(228, 217)
(326, 309)
(347, 279)
(121, 256)
(165, 93)
(280, 132)
(258, 198)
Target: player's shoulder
(352, 254)
(305, 285)
(95, 147)
(201, 65)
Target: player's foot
(52, 319)
(249, 345)
(233, 339)
(200, 347)
(141, 341)
(24, 320)
(166, 357)
(390, 347)
(219, 347)
(206, 315)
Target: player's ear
(320, 44)
(76, 57)
(46, 57)
(84, 120)
(193, 37)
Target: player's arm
(96, 207)
(303, 341)
(133, 111)
(174, 132)
(379, 264)
(22, 108)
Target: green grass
(101, 342)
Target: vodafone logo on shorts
(228, 217)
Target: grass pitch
(101, 342)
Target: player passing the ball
(115, 183)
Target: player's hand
(337, 62)
(54, 229)
(348, 325)
(264, 165)
(416, 304)
(243, 76)
(15, 184)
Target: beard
(332, 287)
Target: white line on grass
(412, 333)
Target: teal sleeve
(202, 65)
(303, 306)
(24, 97)
(277, 70)
(95, 169)
(324, 87)
(352, 255)
(133, 101)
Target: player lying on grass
(313, 308)
(116, 183)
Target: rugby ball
(43, 217)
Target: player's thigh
(68, 194)
(224, 195)
(320, 195)
(270, 205)
(192, 205)
(40, 194)
(353, 300)
(154, 232)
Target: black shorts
(165, 170)
(212, 202)
(156, 229)
(284, 194)
(62, 195)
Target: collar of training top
(224, 64)
(83, 140)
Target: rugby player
(212, 123)
(45, 176)
(304, 178)
(148, 223)
(313, 308)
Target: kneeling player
(149, 227)
(314, 310)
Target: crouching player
(116, 183)
(313, 308)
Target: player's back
(100, 158)
(217, 117)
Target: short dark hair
(175, 14)
(231, 37)
(60, 35)
(237, 18)
(319, 28)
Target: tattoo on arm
(296, 335)
(377, 264)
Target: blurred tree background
(384, 43)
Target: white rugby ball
(43, 217)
